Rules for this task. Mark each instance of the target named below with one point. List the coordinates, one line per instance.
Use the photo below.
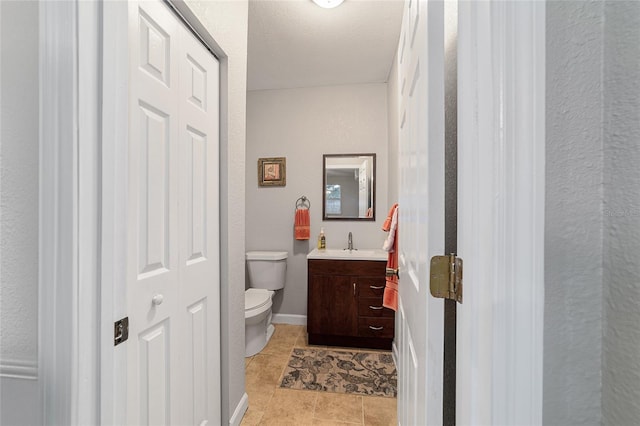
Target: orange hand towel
(390, 297)
(387, 222)
(301, 225)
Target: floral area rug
(363, 373)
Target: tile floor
(269, 404)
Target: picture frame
(272, 171)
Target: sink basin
(360, 254)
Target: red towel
(390, 297)
(301, 225)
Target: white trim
(289, 319)
(114, 190)
(58, 215)
(69, 335)
(501, 211)
(238, 413)
(88, 344)
(19, 401)
(18, 369)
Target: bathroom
(304, 118)
(583, 263)
(338, 108)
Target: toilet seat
(266, 255)
(254, 298)
(256, 301)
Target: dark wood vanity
(344, 304)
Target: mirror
(349, 185)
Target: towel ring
(303, 202)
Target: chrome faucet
(350, 242)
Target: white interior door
(199, 230)
(419, 337)
(501, 88)
(173, 257)
(501, 143)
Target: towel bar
(303, 202)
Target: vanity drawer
(372, 307)
(371, 286)
(375, 327)
(359, 269)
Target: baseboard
(289, 319)
(16, 369)
(241, 408)
(20, 401)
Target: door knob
(157, 299)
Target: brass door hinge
(446, 277)
(120, 331)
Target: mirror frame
(324, 186)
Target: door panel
(153, 169)
(421, 211)
(198, 353)
(196, 157)
(154, 372)
(155, 46)
(173, 218)
(153, 214)
(199, 224)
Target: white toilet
(267, 272)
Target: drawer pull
(376, 287)
(354, 289)
(375, 328)
(377, 308)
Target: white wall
(302, 125)
(19, 213)
(227, 22)
(621, 341)
(573, 230)
(592, 291)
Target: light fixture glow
(328, 4)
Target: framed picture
(272, 171)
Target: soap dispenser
(322, 241)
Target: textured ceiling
(294, 43)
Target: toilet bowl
(257, 319)
(267, 270)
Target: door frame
(115, 171)
(68, 261)
(501, 187)
(82, 205)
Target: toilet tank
(267, 269)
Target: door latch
(120, 331)
(446, 277)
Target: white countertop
(339, 254)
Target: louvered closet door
(173, 368)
